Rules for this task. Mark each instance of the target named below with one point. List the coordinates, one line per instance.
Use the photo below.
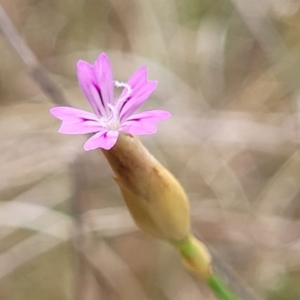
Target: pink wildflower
(110, 115)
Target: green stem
(221, 290)
(197, 259)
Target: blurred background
(229, 73)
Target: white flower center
(113, 121)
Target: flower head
(111, 115)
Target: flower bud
(155, 199)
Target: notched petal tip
(152, 84)
(141, 72)
(54, 111)
(83, 65)
(104, 139)
(141, 75)
(164, 114)
(102, 64)
(61, 112)
(102, 56)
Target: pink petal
(137, 98)
(80, 127)
(76, 121)
(69, 113)
(104, 77)
(89, 85)
(151, 116)
(137, 79)
(138, 128)
(145, 122)
(103, 139)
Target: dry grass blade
(38, 73)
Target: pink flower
(111, 115)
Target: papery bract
(110, 115)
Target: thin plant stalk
(220, 289)
(197, 259)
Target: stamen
(111, 107)
(121, 100)
(113, 121)
(119, 84)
